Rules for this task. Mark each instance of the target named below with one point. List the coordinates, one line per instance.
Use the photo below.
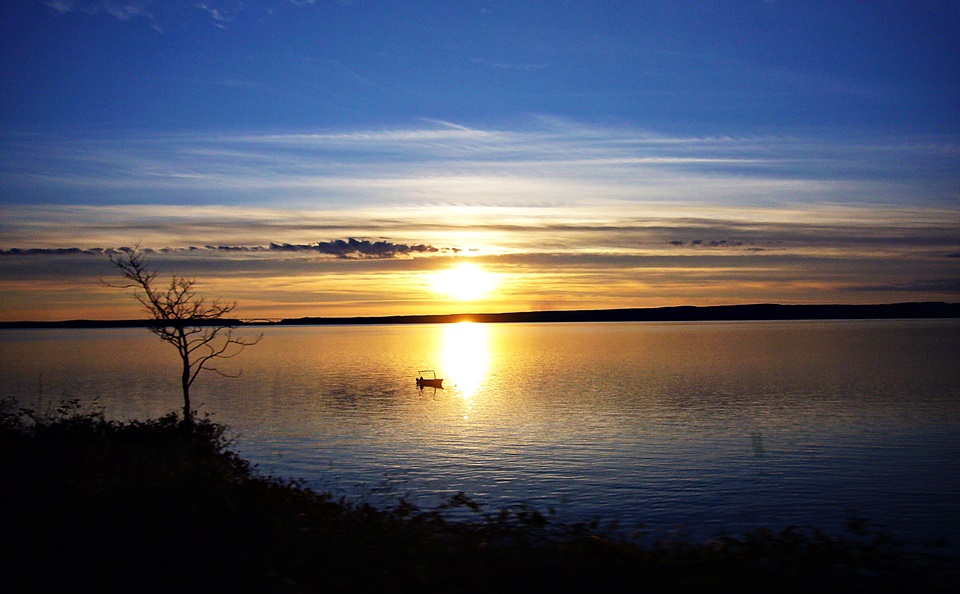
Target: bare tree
(199, 329)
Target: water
(702, 427)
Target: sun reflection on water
(466, 356)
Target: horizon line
(674, 313)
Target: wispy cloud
(520, 66)
(161, 14)
(569, 215)
(218, 16)
(120, 9)
(149, 11)
(554, 162)
(560, 228)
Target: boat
(429, 382)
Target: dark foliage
(163, 505)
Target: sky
(368, 158)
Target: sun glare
(465, 282)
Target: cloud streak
(340, 248)
(161, 14)
(558, 228)
(556, 162)
(568, 215)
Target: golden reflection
(466, 356)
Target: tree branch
(195, 327)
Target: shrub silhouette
(160, 505)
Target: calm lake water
(703, 427)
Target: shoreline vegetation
(686, 313)
(162, 504)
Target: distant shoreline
(685, 313)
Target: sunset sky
(341, 158)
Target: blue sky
(679, 67)
(590, 154)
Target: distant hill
(673, 314)
(764, 311)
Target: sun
(465, 282)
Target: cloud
(582, 267)
(123, 10)
(217, 15)
(941, 285)
(53, 251)
(358, 248)
(553, 162)
(159, 13)
(518, 66)
(347, 249)
(559, 207)
(556, 228)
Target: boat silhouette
(429, 382)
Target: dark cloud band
(340, 248)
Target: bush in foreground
(161, 504)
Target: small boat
(429, 382)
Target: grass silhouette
(161, 505)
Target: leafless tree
(199, 329)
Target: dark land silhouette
(762, 311)
(162, 505)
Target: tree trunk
(187, 414)
(185, 383)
